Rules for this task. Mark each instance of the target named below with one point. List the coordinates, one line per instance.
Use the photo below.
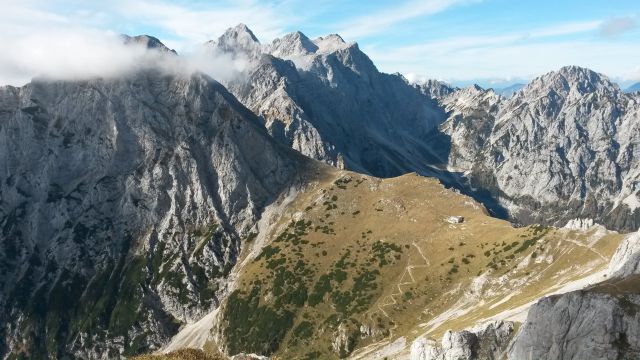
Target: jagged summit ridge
(435, 89)
(338, 108)
(330, 43)
(293, 44)
(297, 44)
(240, 39)
(236, 40)
(326, 99)
(547, 153)
(147, 41)
(570, 82)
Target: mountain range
(124, 202)
(310, 206)
(633, 88)
(326, 99)
(510, 90)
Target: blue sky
(492, 42)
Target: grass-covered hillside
(184, 354)
(356, 262)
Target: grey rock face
(123, 204)
(485, 342)
(561, 148)
(580, 325)
(471, 115)
(436, 89)
(326, 99)
(600, 322)
(626, 260)
(293, 44)
(147, 41)
(249, 357)
(238, 40)
(344, 339)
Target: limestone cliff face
(123, 205)
(435, 89)
(626, 260)
(486, 341)
(560, 148)
(600, 322)
(592, 324)
(581, 325)
(326, 99)
(471, 115)
(563, 147)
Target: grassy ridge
(361, 260)
(183, 354)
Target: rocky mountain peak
(147, 41)
(475, 88)
(472, 93)
(240, 32)
(237, 39)
(330, 43)
(573, 71)
(331, 37)
(435, 89)
(584, 80)
(293, 44)
(243, 29)
(570, 81)
(633, 88)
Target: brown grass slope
(366, 261)
(184, 354)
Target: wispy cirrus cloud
(616, 26)
(379, 21)
(523, 53)
(452, 45)
(566, 28)
(525, 60)
(197, 23)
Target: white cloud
(380, 21)
(41, 44)
(515, 60)
(520, 55)
(616, 26)
(196, 25)
(64, 54)
(631, 76)
(452, 45)
(568, 28)
(85, 53)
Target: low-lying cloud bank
(84, 54)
